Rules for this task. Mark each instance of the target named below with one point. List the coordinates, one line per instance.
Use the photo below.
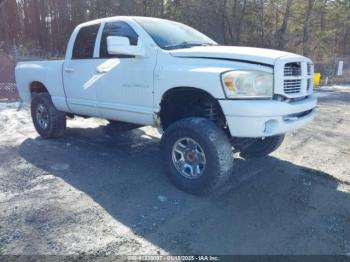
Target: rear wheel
(262, 147)
(197, 155)
(48, 121)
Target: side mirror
(118, 45)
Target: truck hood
(236, 53)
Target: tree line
(315, 28)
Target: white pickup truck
(210, 100)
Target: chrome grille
(292, 69)
(292, 86)
(293, 78)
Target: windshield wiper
(187, 44)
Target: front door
(125, 86)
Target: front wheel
(197, 155)
(262, 147)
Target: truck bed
(48, 73)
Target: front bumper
(262, 118)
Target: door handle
(102, 70)
(69, 69)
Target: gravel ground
(99, 192)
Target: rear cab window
(84, 44)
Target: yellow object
(317, 78)
(229, 83)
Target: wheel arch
(177, 98)
(36, 87)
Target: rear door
(79, 72)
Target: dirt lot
(94, 192)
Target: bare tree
(46, 25)
(239, 15)
(306, 36)
(282, 32)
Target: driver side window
(117, 29)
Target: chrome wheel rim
(189, 158)
(42, 116)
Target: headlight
(248, 84)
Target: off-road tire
(217, 150)
(263, 147)
(56, 119)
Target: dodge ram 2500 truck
(210, 100)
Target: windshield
(171, 35)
